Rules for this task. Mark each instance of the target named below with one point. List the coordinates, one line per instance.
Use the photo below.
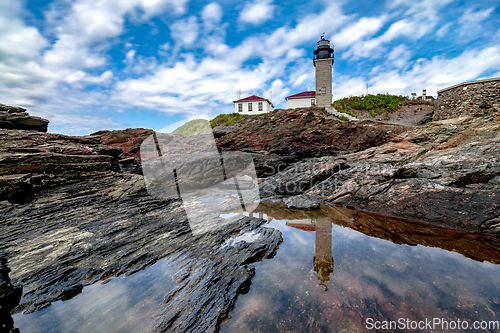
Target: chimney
(424, 94)
(308, 89)
(258, 95)
(270, 96)
(238, 95)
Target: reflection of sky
(372, 278)
(124, 304)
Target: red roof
(303, 94)
(304, 227)
(251, 98)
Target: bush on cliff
(375, 104)
(228, 119)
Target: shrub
(228, 119)
(375, 104)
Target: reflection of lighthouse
(323, 259)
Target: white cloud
(438, 73)
(185, 31)
(211, 15)
(49, 81)
(443, 30)
(257, 12)
(364, 27)
(399, 56)
(475, 17)
(53, 77)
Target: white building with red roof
(304, 99)
(253, 104)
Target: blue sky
(88, 65)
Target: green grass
(375, 104)
(193, 127)
(228, 119)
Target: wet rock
(79, 233)
(214, 276)
(9, 298)
(12, 117)
(301, 202)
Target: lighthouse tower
(323, 61)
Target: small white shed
(304, 99)
(253, 104)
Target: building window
(323, 90)
(260, 106)
(240, 107)
(250, 107)
(313, 102)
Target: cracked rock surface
(439, 182)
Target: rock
(12, 117)
(338, 114)
(220, 131)
(81, 233)
(300, 176)
(9, 299)
(129, 140)
(301, 202)
(455, 188)
(303, 133)
(31, 162)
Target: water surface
(127, 304)
(335, 269)
(338, 267)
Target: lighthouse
(323, 62)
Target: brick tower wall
(324, 79)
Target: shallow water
(328, 277)
(122, 304)
(335, 269)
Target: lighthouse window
(323, 91)
(240, 107)
(313, 101)
(260, 106)
(250, 107)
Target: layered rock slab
(80, 233)
(13, 117)
(456, 188)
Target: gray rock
(12, 117)
(301, 202)
(9, 298)
(454, 188)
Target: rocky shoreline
(75, 210)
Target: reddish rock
(307, 133)
(129, 139)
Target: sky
(88, 65)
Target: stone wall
(474, 98)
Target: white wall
(266, 107)
(293, 103)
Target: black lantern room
(324, 50)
